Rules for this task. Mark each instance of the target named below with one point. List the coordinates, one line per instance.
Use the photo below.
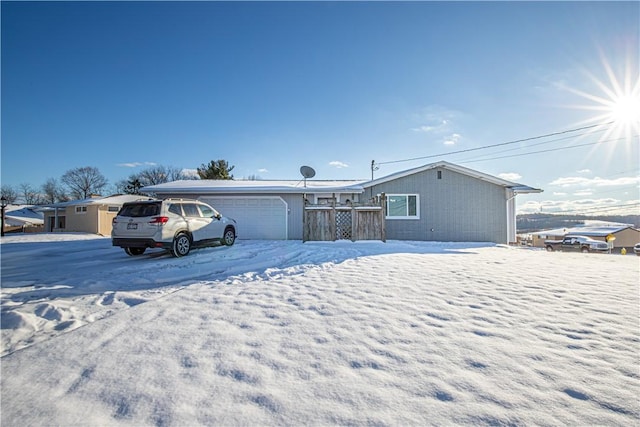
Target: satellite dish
(307, 172)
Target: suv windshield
(140, 209)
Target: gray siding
(456, 208)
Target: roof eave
(524, 189)
(250, 190)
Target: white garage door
(257, 217)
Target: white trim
(319, 208)
(367, 208)
(407, 195)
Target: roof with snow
(517, 188)
(590, 228)
(19, 215)
(313, 186)
(118, 199)
(256, 186)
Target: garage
(260, 218)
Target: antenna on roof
(307, 172)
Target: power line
(497, 145)
(609, 208)
(545, 151)
(617, 190)
(545, 142)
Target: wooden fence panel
(368, 224)
(319, 224)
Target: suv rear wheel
(181, 245)
(134, 251)
(229, 237)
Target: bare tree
(52, 192)
(160, 174)
(29, 195)
(83, 182)
(9, 193)
(120, 186)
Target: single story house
(92, 215)
(435, 202)
(626, 235)
(267, 210)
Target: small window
(81, 209)
(113, 209)
(402, 206)
(439, 174)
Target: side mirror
(218, 216)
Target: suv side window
(207, 212)
(175, 208)
(191, 209)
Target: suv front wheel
(181, 245)
(229, 237)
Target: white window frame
(407, 216)
(81, 210)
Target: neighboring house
(625, 234)
(93, 215)
(23, 218)
(436, 202)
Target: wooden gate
(344, 222)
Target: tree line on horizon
(526, 223)
(83, 182)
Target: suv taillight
(159, 220)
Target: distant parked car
(177, 225)
(576, 244)
(636, 249)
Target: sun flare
(614, 101)
(625, 110)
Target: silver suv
(173, 224)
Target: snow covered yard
(286, 333)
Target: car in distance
(174, 224)
(636, 249)
(576, 244)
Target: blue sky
(271, 86)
